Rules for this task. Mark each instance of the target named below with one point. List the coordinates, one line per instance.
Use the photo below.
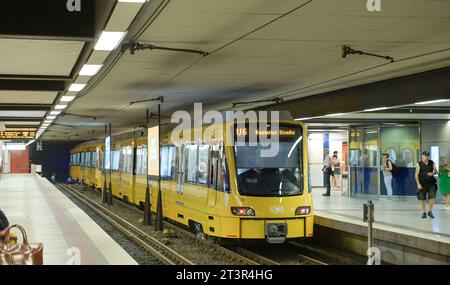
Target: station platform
(399, 231)
(52, 219)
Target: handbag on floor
(20, 254)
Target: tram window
(192, 163)
(127, 159)
(213, 166)
(88, 159)
(164, 162)
(222, 173)
(99, 159)
(202, 168)
(93, 159)
(115, 160)
(139, 152)
(141, 160)
(167, 162)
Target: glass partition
(402, 143)
(371, 161)
(356, 161)
(367, 144)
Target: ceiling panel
(294, 56)
(27, 97)
(38, 57)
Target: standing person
(444, 180)
(327, 171)
(336, 171)
(386, 168)
(426, 183)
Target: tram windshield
(271, 176)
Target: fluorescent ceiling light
(67, 98)
(48, 121)
(432, 102)
(333, 115)
(55, 112)
(76, 87)
(90, 69)
(133, 1)
(108, 41)
(376, 109)
(51, 117)
(303, 119)
(60, 107)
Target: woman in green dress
(444, 180)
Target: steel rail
(161, 251)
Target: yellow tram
(222, 190)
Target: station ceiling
(258, 49)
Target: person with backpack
(426, 183)
(387, 168)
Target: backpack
(395, 172)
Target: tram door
(212, 183)
(181, 172)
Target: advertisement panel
(153, 151)
(108, 152)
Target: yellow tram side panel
(212, 209)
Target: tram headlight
(303, 210)
(242, 211)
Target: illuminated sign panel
(17, 135)
(108, 152)
(284, 132)
(153, 151)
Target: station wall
(436, 134)
(54, 158)
(436, 139)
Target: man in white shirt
(327, 171)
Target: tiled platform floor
(51, 218)
(395, 216)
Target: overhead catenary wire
(358, 72)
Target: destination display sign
(17, 135)
(284, 132)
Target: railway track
(156, 248)
(179, 230)
(242, 254)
